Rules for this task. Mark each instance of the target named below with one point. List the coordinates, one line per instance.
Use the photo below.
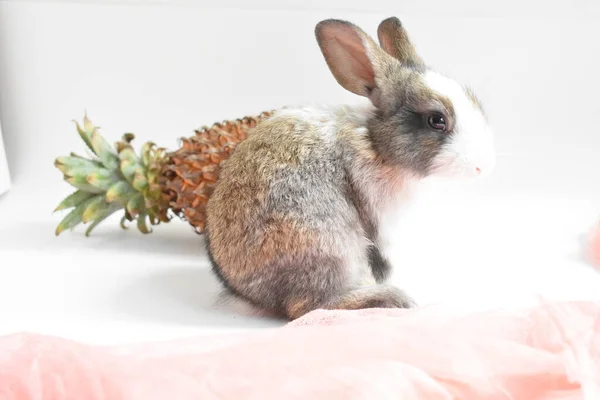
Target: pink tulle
(548, 352)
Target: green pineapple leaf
(104, 151)
(101, 179)
(94, 209)
(85, 132)
(141, 223)
(82, 184)
(135, 205)
(107, 213)
(73, 200)
(74, 217)
(120, 192)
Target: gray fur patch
(380, 266)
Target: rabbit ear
(394, 39)
(355, 60)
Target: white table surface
(476, 249)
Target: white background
(4, 175)
(161, 69)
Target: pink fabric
(547, 352)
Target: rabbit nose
(484, 164)
(484, 168)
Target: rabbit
(295, 220)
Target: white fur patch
(472, 147)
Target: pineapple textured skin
(189, 176)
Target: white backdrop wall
(161, 68)
(4, 174)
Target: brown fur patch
(428, 100)
(448, 107)
(284, 236)
(361, 144)
(295, 308)
(376, 296)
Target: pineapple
(150, 187)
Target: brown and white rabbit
(294, 223)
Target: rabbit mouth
(451, 165)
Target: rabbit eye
(437, 122)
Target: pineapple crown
(110, 180)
